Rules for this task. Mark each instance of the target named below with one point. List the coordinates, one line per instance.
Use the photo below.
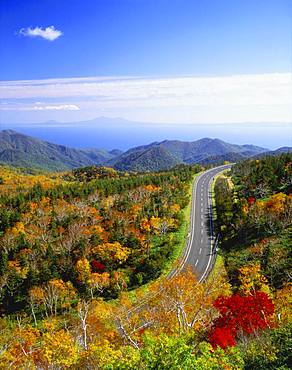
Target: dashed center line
(196, 263)
(200, 251)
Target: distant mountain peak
(9, 131)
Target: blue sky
(146, 37)
(176, 61)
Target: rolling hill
(283, 149)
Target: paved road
(199, 252)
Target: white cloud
(57, 107)
(48, 33)
(236, 98)
(40, 107)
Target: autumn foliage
(94, 228)
(76, 250)
(240, 315)
(222, 337)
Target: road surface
(199, 252)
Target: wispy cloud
(39, 107)
(237, 98)
(48, 33)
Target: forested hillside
(254, 213)
(78, 248)
(94, 230)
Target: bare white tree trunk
(82, 314)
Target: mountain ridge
(22, 150)
(19, 149)
(188, 152)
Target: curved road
(199, 252)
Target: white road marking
(202, 223)
(196, 263)
(200, 251)
(211, 242)
(193, 219)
